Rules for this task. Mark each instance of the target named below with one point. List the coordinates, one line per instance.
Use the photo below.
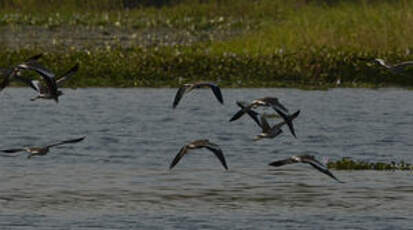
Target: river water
(118, 177)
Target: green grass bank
(263, 43)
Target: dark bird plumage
(44, 90)
(13, 73)
(395, 68)
(272, 102)
(288, 119)
(197, 145)
(47, 75)
(186, 88)
(245, 109)
(308, 159)
(43, 150)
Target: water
(118, 178)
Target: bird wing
(281, 124)
(178, 156)
(402, 66)
(240, 113)
(46, 74)
(37, 67)
(33, 58)
(179, 94)
(382, 63)
(288, 119)
(320, 167)
(217, 91)
(11, 150)
(218, 153)
(245, 109)
(4, 83)
(34, 84)
(66, 142)
(264, 124)
(280, 106)
(67, 75)
(282, 162)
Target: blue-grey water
(118, 177)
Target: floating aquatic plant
(349, 164)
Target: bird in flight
(197, 145)
(47, 75)
(186, 88)
(43, 90)
(265, 102)
(43, 150)
(395, 68)
(272, 132)
(308, 159)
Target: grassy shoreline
(265, 43)
(172, 67)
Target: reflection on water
(118, 178)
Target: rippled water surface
(118, 178)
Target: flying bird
(47, 75)
(14, 73)
(395, 68)
(268, 131)
(197, 145)
(40, 151)
(272, 102)
(272, 132)
(186, 88)
(43, 90)
(308, 159)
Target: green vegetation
(348, 164)
(262, 43)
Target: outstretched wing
(402, 66)
(288, 119)
(34, 84)
(264, 124)
(46, 74)
(217, 91)
(282, 162)
(278, 105)
(11, 150)
(178, 156)
(320, 167)
(67, 141)
(245, 109)
(219, 154)
(179, 94)
(67, 75)
(33, 58)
